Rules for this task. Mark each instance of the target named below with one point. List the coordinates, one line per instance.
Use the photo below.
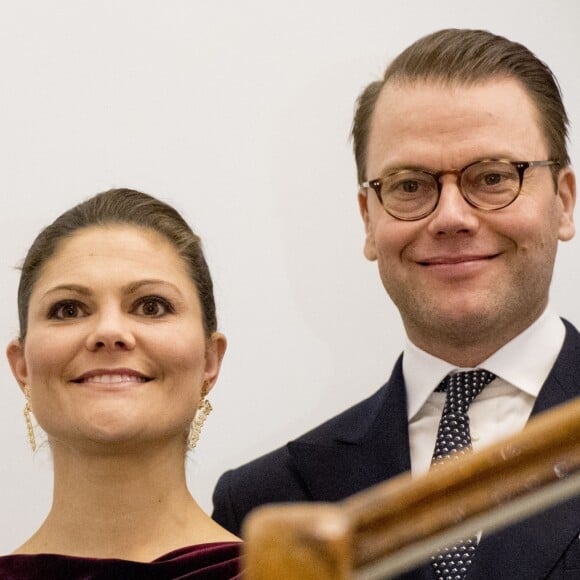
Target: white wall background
(238, 113)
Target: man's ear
(369, 248)
(15, 356)
(567, 195)
(214, 355)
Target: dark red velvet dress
(215, 561)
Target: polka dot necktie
(454, 439)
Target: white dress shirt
(502, 408)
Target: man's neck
(466, 348)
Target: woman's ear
(15, 356)
(215, 351)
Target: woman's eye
(66, 310)
(153, 307)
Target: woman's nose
(111, 331)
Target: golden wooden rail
(398, 524)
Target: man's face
(462, 275)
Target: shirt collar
(524, 362)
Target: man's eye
(153, 307)
(492, 179)
(409, 186)
(66, 309)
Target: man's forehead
(401, 103)
(394, 89)
(451, 124)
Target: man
(465, 191)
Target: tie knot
(461, 388)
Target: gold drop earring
(28, 420)
(203, 410)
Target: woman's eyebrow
(76, 288)
(136, 286)
(130, 288)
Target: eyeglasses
(412, 194)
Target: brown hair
(467, 57)
(120, 206)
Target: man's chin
(457, 325)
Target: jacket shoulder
(272, 472)
(274, 477)
(349, 425)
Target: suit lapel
(370, 444)
(372, 447)
(531, 548)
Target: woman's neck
(127, 505)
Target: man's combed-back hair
(467, 57)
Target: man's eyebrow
(388, 170)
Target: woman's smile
(112, 377)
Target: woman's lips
(112, 376)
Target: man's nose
(453, 214)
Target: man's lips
(111, 376)
(450, 260)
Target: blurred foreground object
(397, 525)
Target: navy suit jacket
(369, 443)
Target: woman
(117, 351)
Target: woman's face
(115, 351)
